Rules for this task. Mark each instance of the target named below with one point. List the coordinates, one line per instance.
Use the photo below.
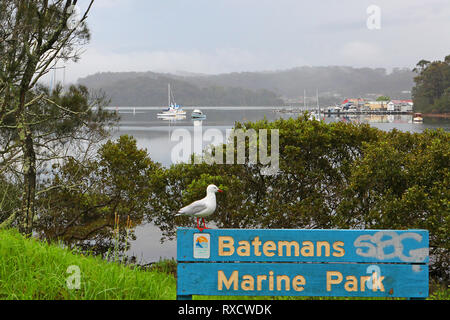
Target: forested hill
(150, 89)
(252, 88)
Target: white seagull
(201, 208)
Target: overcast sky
(220, 36)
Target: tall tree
(431, 92)
(34, 36)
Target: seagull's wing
(193, 208)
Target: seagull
(202, 208)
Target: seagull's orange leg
(204, 224)
(198, 226)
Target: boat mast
(304, 99)
(318, 107)
(169, 93)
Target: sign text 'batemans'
(228, 247)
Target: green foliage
(89, 200)
(384, 98)
(9, 199)
(167, 266)
(402, 182)
(315, 163)
(431, 92)
(35, 124)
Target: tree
(432, 85)
(315, 164)
(115, 190)
(34, 37)
(403, 182)
(421, 65)
(9, 200)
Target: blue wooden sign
(363, 263)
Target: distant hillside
(150, 89)
(253, 88)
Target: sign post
(273, 262)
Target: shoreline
(436, 115)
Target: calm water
(155, 135)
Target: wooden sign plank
(288, 245)
(303, 279)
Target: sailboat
(173, 110)
(316, 115)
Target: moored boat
(174, 108)
(198, 114)
(417, 118)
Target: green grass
(30, 269)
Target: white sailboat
(174, 110)
(315, 115)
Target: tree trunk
(29, 185)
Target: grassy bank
(30, 269)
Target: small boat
(198, 115)
(314, 116)
(417, 118)
(174, 110)
(172, 117)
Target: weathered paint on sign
(385, 263)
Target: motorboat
(198, 115)
(417, 118)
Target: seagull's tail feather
(180, 213)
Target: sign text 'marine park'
(269, 262)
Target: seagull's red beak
(218, 190)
